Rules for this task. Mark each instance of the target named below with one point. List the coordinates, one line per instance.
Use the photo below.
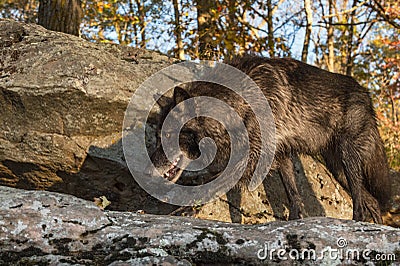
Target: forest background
(353, 37)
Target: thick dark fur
(316, 113)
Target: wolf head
(204, 147)
(189, 136)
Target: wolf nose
(150, 170)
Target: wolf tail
(376, 171)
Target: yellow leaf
(102, 202)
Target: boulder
(63, 101)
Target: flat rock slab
(51, 228)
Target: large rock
(62, 105)
(46, 228)
(63, 101)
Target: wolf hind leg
(286, 172)
(372, 205)
(364, 203)
(334, 163)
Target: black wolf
(316, 112)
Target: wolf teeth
(175, 163)
(169, 174)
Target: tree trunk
(61, 15)
(307, 37)
(349, 58)
(271, 41)
(206, 28)
(232, 30)
(142, 23)
(178, 32)
(331, 48)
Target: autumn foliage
(388, 109)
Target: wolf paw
(297, 211)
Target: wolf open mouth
(173, 170)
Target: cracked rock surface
(50, 228)
(62, 106)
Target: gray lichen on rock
(39, 226)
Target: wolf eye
(167, 135)
(188, 133)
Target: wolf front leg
(296, 205)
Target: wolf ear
(162, 101)
(180, 95)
